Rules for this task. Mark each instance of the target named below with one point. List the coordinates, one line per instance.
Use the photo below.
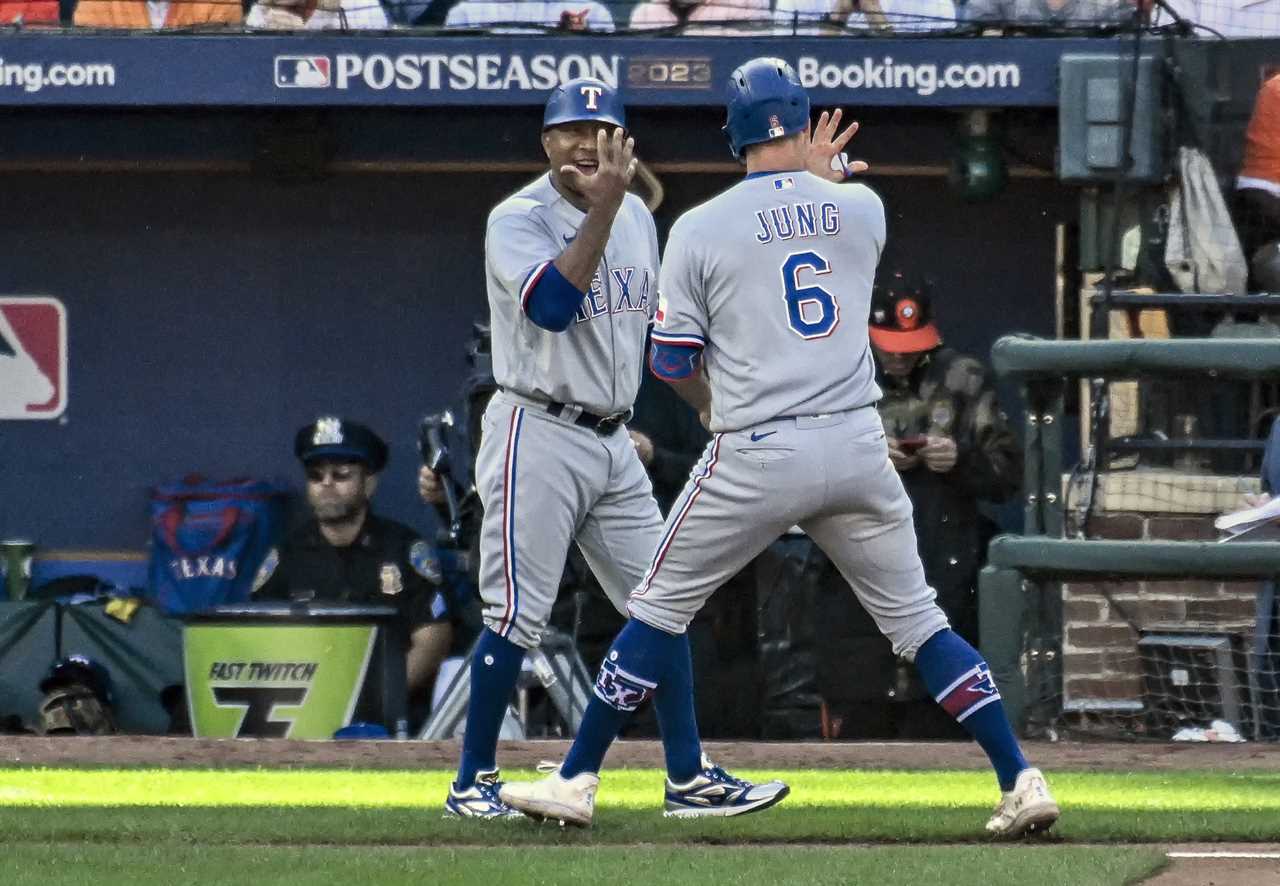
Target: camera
(433, 445)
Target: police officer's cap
(902, 316)
(340, 440)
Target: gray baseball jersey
(595, 364)
(781, 266)
(773, 280)
(544, 480)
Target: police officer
(347, 554)
(950, 442)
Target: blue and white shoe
(714, 792)
(480, 800)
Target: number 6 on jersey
(803, 319)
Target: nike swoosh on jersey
(756, 438)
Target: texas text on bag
(208, 540)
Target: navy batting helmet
(765, 101)
(584, 99)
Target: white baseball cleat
(567, 800)
(1027, 808)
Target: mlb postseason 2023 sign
(268, 681)
(408, 70)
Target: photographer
(446, 480)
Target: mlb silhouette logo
(33, 358)
(302, 71)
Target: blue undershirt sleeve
(674, 362)
(549, 299)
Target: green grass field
(313, 826)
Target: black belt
(604, 425)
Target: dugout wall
(228, 275)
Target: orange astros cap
(902, 317)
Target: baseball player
(766, 289)
(571, 263)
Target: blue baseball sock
(677, 718)
(638, 661)
(960, 680)
(494, 669)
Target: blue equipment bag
(208, 540)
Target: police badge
(392, 583)
(328, 432)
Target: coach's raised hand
(599, 194)
(826, 149)
(615, 167)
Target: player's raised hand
(615, 167)
(826, 149)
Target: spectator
(812, 17)
(1257, 202)
(29, 12)
(156, 14)
(317, 15)
(1061, 13)
(816, 17)
(529, 16)
(1226, 18)
(902, 16)
(715, 18)
(419, 13)
(346, 554)
(952, 447)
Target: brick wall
(1101, 664)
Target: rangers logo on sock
(973, 690)
(621, 690)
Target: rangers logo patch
(621, 690)
(971, 692)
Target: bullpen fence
(1118, 613)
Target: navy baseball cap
(340, 440)
(584, 99)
